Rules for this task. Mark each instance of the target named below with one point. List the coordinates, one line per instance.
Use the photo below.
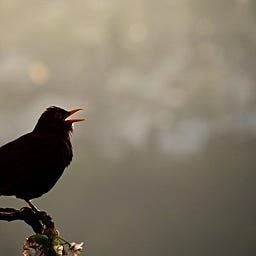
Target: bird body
(32, 164)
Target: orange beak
(71, 112)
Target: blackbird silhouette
(32, 164)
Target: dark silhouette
(31, 165)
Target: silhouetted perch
(46, 241)
(37, 220)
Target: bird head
(56, 120)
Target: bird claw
(41, 215)
(45, 218)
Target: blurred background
(165, 163)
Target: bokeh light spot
(38, 73)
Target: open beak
(73, 120)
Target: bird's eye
(58, 115)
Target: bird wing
(23, 160)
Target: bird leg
(32, 206)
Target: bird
(32, 164)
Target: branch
(37, 220)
